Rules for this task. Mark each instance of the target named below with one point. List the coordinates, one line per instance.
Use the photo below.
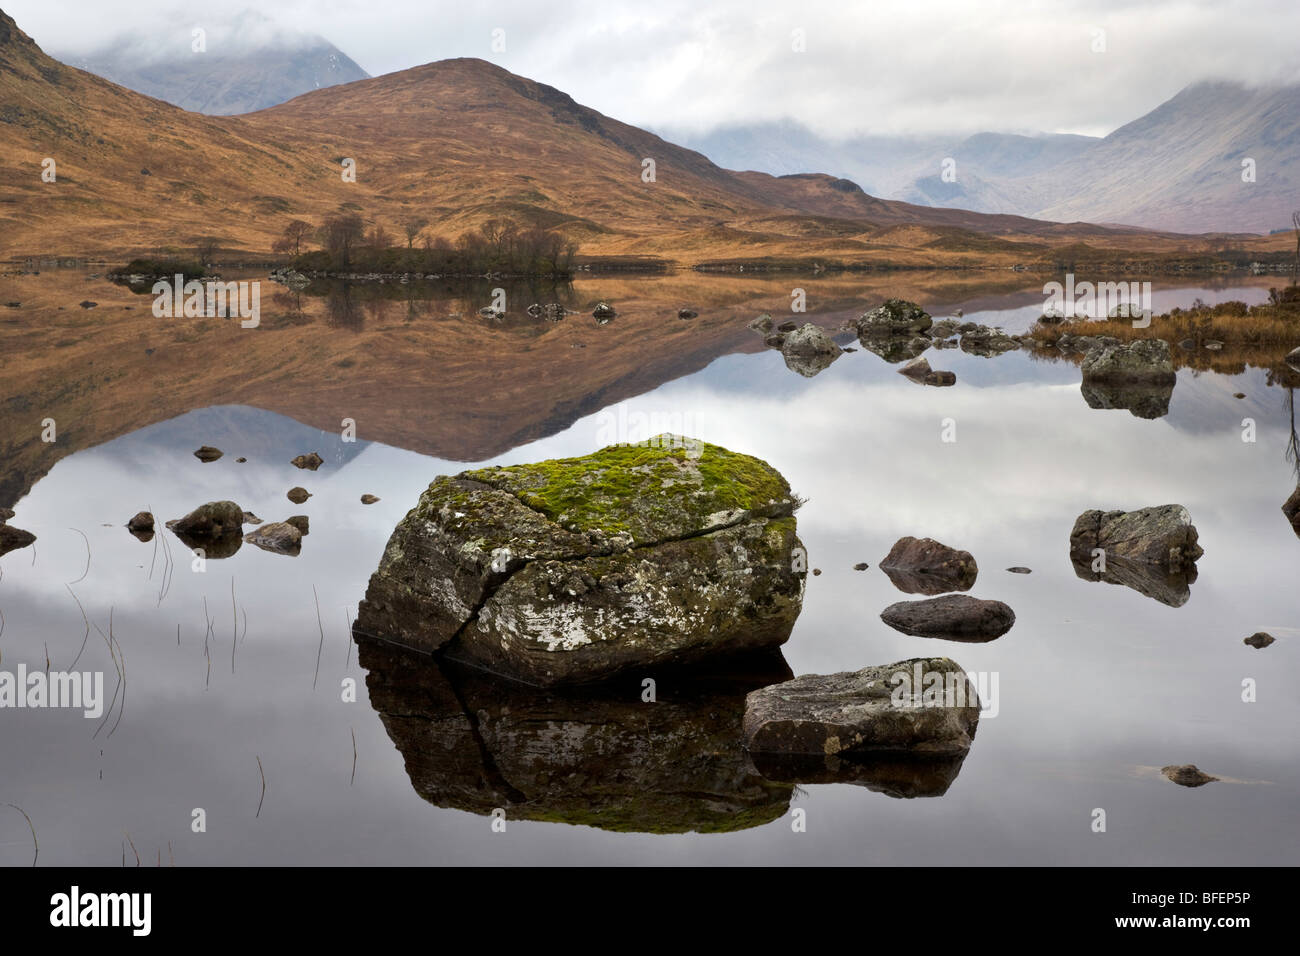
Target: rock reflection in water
(1143, 401)
(604, 758)
(896, 775)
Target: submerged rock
(918, 706)
(279, 537)
(1187, 775)
(574, 570)
(953, 617)
(216, 519)
(606, 758)
(208, 453)
(368, 499)
(298, 494)
(310, 462)
(1259, 640)
(1146, 360)
(895, 317)
(924, 566)
(11, 539)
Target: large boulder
(1146, 360)
(1153, 551)
(924, 566)
(576, 570)
(920, 706)
(953, 617)
(895, 317)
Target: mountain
(248, 63)
(1177, 168)
(458, 141)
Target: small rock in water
(300, 522)
(1020, 570)
(686, 313)
(1260, 640)
(861, 566)
(215, 519)
(762, 324)
(310, 462)
(603, 310)
(208, 453)
(87, 304)
(924, 566)
(368, 499)
(241, 460)
(1187, 775)
(250, 518)
(279, 537)
(817, 572)
(298, 495)
(142, 521)
(1239, 395)
(953, 617)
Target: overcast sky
(868, 66)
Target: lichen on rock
(574, 570)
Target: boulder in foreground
(575, 570)
(918, 706)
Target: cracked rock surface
(576, 570)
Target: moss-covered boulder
(575, 570)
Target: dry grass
(1234, 324)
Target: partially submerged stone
(919, 706)
(300, 522)
(279, 537)
(924, 566)
(1259, 640)
(141, 521)
(953, 617)
(894, 317)
(11, 539)
(1146, 360)
(207, 453)
(809, 350)
(215, 519)
(1152, 550)
(309, 462)
(574, 570)
(368, 499)
(1187, 775)
(298, 494)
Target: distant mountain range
(1177, 168)
(248, 63)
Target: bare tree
(412, 227)
(294, 235)
(340, 234)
